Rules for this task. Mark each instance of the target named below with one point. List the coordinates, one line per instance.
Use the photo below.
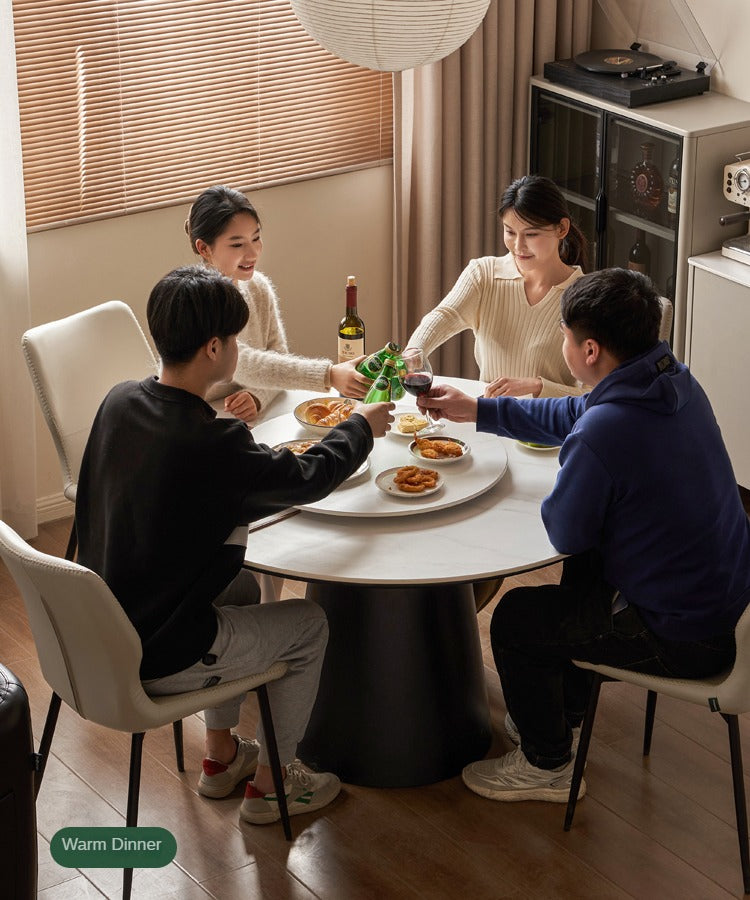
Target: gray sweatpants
(250, 638)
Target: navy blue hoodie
(644, 478)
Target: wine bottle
(673, 191)
(639, 255)
(351, 327)
(646, 183)
(381, 388)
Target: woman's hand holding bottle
(348, 381)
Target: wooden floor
(663, 828)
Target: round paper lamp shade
(391, 35)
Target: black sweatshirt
(163, 484)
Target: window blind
(132, 104)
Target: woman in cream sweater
(224, 230)
(512, 302)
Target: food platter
(440, 460)
(361, 497)
(385, 480)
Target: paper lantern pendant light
(391, 35)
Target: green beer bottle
(371, 367)
(380, 392)
(392, 351)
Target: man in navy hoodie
(647, 505)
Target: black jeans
(537, 631)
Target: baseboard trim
(56, 506)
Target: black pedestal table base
(402, 698)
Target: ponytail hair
(539, 201)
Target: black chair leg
(740, 805)
(648, 728)
(273, 755)
(178, 747)
(49, 729)
(583, 749)
(134, 788)
(70, 551)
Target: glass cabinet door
(642, 169)
(566, 141)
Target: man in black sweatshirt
(165, 494)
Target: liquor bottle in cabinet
(646, 183)
(639, 255)
(673, 191)
(590, 147)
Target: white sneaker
(512, 777)
(515, 737)
(219, 779)
(305, 792)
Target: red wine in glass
(417, 383)
(416, 377)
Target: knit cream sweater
(511, 337)
(264, 364)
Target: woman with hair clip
(224, 230)
(512, 302)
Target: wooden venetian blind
(132, 104)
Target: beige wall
(725, 25)
(315, 234)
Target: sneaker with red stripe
(305, 792)
(220, 779)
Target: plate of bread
(321, 414)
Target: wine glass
(416, 376)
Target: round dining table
(402, 698)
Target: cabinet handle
(600, 214)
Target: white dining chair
(90, 655)
(727, 694)
(667, 313)
(73, 363)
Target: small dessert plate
(437, 441)
(409, 435)
(384, 480)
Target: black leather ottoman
(18, 848)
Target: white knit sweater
(265, 365)
(512, 338)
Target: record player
(648, 71)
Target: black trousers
(537, 631)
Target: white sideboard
(717, 347)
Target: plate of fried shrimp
(439, 450)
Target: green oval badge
(113, 848)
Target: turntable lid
(666, 28)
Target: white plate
(311, 441)
(409, 435)
(446, 459)
(384, 480)
(539, 448)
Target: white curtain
(461, 132)
(17, 410)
